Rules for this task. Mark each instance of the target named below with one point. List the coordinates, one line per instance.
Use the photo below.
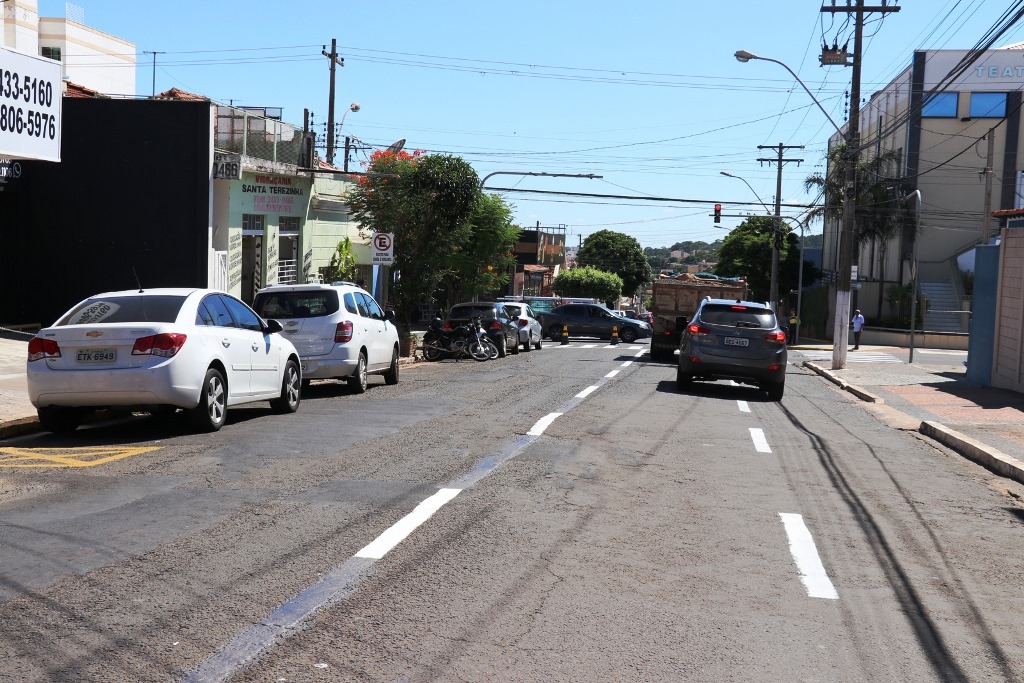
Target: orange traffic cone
(615, 335)
(565, 335)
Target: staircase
(942, 300)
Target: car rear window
(124, 309)
(514, 310)
(482, 311)
(737, 315)
(300, 304)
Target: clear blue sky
(647, 95)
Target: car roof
(156, 291)
(739, 302)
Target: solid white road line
(405, 526)
(744, 408)
(805, 553)
(586, 392)
(542, 424)
(760, 443)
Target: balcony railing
(243, 132)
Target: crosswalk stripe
(853, 357)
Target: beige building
(955, 125)
(88, 57)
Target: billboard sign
(30, 106)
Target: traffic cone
(565, 335)
(615, 335)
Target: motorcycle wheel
(479, 352)
(492, 349)
(432, 353)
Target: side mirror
(272, 327)
(389, 316)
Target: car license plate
(96, 355)
(737, 341)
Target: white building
(90, 58)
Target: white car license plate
(736, 341)
(96, 355)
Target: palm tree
(881, 213)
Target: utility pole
(150, 52)
(847, 244)
(773, 294)
(335, 61)
(987, 218)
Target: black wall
(131, 191)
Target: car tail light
(773, 368)
(523, 323)
(495, 325)
(699, 330)
(165, 345)
(776, 337)
(343, 332)
(39, 348)
(694, 359)
(447, 326)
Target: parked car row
(203, 351)
(592, 320)
(510, 327)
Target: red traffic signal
(718, 213)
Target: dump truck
(676, 298)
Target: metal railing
(287, 272)
(243, 132)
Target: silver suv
(338, 329)
(737, 340)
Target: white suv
(338, 329)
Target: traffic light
(718, 213)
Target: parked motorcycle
(442, 340)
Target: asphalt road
(579, 520)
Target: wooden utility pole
(848, 234)
(335, 61)
(773, 292)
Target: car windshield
(737, 315)
(296, 304)
(136, 308)
(514, 310)
(481, 311)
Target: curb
(13, 428)
(983, 454)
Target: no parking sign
(384, 248)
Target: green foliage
(427, 202)
(617, 253)
(747, 252)
(343, 263)
(588, 282)
(484, 263)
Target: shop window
(50, 53)
(940, 105)
(988, 105)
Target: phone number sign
(384, 248)
(30, 106)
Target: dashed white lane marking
(760, 443)
(405, 526)
(612, 373)
(808, 562)
(542, 424)
(589, 346)
(627, 363)
(586, 392)
(639, 354)
(744, 408)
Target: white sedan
(160, 350)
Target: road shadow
(716, 391)
(986, 398)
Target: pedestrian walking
(858, 326)
(794, 324)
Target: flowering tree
(426, 201)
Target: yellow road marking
(86, 456)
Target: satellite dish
(396, 147)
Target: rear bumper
(713, 369)
(167, 384)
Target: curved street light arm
(744, 56)
(730, 175)
(535, 173)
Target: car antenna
(137, 280)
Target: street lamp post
(773, 289)
(841, 324)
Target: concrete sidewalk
(935, 399)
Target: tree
(881, 214)
(427, 202)
(588, 282)
(343, 263)
(616, 253)
(484, 263)
(747, 252)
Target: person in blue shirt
(858, 325)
